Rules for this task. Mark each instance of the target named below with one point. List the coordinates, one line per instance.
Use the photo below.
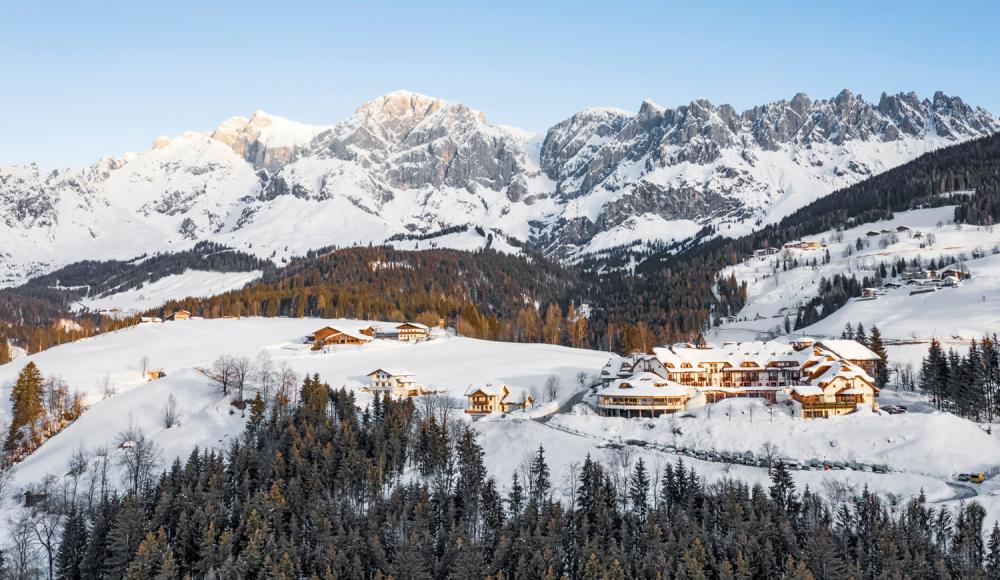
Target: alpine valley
(420, 172)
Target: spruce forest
(320, 488)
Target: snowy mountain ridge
(409, 164)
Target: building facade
(818, 379)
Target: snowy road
(961, 492)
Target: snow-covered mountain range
(406, 164)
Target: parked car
(963, 477)
(636, 442)
(815, 463)
(791, 464)
(977, 477)
(855, 466)
(880, 468)
(839, 465)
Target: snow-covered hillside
(406, 164)
(449, 364)
(191, 283)
(954, 315)
(923, 448)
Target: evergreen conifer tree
(27, 408)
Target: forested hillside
(328, 490)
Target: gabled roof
(849, 349)
(646, 384)
(392, 372)
(491, 389)
(346, 332)
(414, 325)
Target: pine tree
(848, 332)
(993, 556)
(73, 547)
(639, 489)
(27, 408)
(539, 472)
(882, 364)
(782, 489)
(516, 497)
(860, 336)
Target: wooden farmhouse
(397, 382)
(330, 336)
(497, 398)
(179, 315)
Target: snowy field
(923, 448)
(448, 364)
(192, 283)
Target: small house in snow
(179, 315)
(397, 382)
(497, 398)
(330, 336)
(412, 331)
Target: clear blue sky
(79, 80)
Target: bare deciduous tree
(769, 453)
(265, 375)
(242, 368)
(287, 381)
(107, 388)
(221, 373)
(169, 414)
(551, 388)
(46, 527)
(140, 456)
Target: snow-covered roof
(828, 370)
(849, 349)
(415, 325)
(807, 390)
(492, 389)
(646, 384)
(393, 372)
(346, 331)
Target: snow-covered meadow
(923, 449)
(448, 364)
(953, 315)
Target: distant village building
(150, 319)
(179, 315)
(330, 336)
(683, 375)
(412, 331)
(397, 382)
(497, 398)
(902, 229)
(804, 245)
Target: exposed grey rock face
(650, 160)
(408, 163)
(412, 141)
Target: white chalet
(398, 382)
(497, 398)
